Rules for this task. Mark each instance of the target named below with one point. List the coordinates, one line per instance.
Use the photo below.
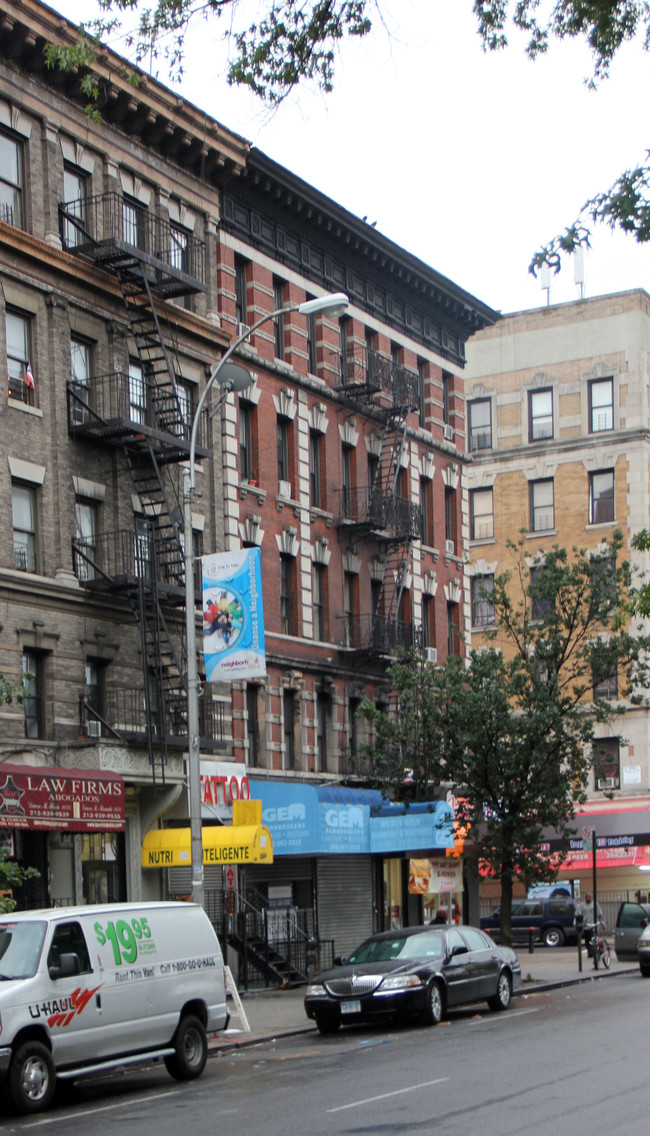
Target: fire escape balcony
(115, 409)
(114, 232)
(364, 372)
(379, 637)
(124, 716)
(125, 560)
(374, 512)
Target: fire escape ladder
(159, 360)
(159, 497)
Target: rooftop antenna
(545, 281)
(579, 270)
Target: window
(179, 247)
(23, 501)
(347, 366)
(353, 735)
(253, 691)
(80, 356)
(33, 704)
(312, 357)
(68, 939)
(85, 539)
(322, 708)
(278, 322)
(94, 688)
(282, 436)
(143, 549)
(428, 630)
(350, 583)
(421, 390)
(181, 426)
(452, 631)
(542, 508)
(346, 481)
(319, 593)
(137, 394)
(541, 603)
(20, 376)
(607, 763)
(540, 415)
(601, 497)
(241, 290)
(425, 505)
(446, 391)
(601, 405)
(481, 514)
(288, 709)
(74, 197)
(450, 517)
(246, 467)
(134, 218)
(482, 601)
(315, 445)
(287, 566)
(11, 180)
(605, 682)
(480, 424)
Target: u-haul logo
(60, 1011)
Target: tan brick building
(557, 419)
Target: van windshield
(20, 948)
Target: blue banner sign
(233, 617)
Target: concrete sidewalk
(276, 1013)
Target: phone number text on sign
(128, 940)
(188, 964)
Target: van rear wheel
(191, 1046)
(32, 1078)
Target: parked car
(552, 919)
(631, 918)
(417, 974)
(643, 950)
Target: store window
(103, 865)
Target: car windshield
(20, 948)
(429, 944)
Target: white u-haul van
(86, 989)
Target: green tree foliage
(511, 732)
(12, 876)
(605, 25)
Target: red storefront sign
(75, 800)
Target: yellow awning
(222, 844)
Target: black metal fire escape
(388, 391)
(145, 414)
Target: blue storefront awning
(331, 820)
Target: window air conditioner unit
(242, 329)
(93, 728)
(431, 655)
(284, 488)
(608, 783)
(449, 547)
(448, 432)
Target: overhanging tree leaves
(512, 733)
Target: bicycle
(598, 948)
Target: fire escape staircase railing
(145, 254)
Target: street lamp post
(229, 377)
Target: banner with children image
(233, 617)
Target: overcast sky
(469, 161)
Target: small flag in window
(29, 377)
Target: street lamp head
(334, 304)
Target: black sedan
(415, 973)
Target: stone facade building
(558, 411)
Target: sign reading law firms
(233, 617)
(74, 800)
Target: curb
(593, 976)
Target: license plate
(350, 1007)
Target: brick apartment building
(132, 251)
(557, 421)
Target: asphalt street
(569, 1057)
